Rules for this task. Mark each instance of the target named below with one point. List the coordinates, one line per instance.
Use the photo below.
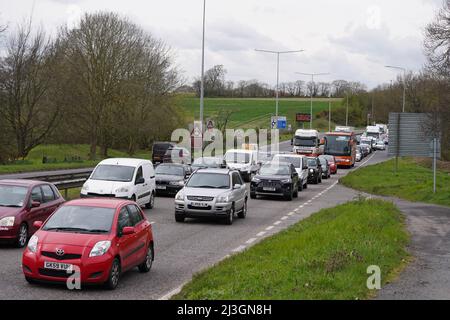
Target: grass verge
(33, 162)
(325, 256)
(412, 181)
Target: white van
(301, 166)
(132, 179)
(245, 161)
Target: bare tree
(27, 78)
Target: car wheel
(148, 262)
(30, 280)
(230, 217)
(243, 213)
(179, 217)
(300, 187)
(114, 275)
(305, 186)
(295, 195)
(317, 180)
(151, 202)
(252, 195)
(22, 236)
(290, 196)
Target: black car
(325, 167)
(170, 178)
(159, 150)
(275, 179)
(314, 170)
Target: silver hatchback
(212, 193)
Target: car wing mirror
(38, 224)
(140, 181)
(237, 186)
(35, 204)
(126, 231)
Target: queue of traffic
(106, 232)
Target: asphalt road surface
(183, 249)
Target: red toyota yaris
(92, 240)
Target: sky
(350, 39)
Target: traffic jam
(105, 233)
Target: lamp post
(202, 80)
(312, 87)
(278, 53)
(404, 83)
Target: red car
(332, 163)
(90, 240)
(22, 202)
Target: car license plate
(269, 189)
(161, 187)
(58, 266)
(199, 204)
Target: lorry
(307, 142)
(373, 132)
(243, 160)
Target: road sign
(280, 124)
(303, 117)
(210, 125)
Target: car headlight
(122, 190)
(223, 198)
(311, 170)
(179, 196)
(100, 248)
(32, 244)
(85, 187)
(7, 222)
(286, 181)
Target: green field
(33, 162)
(325, 256)
(412, 181)
(255, 113)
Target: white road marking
(277, 223)
(291, 214)
(249, 241)
(269, 228)
(239, 249)
(262, 233)
(170, 294)
(284, 218)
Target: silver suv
(212, 193)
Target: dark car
(170, 178)
(332, 163)
(275, 179)
(208, 162)
(22, 202)
(326, 171)
(159, 150)
(315, 170)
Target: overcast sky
(351, 39)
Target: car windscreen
(12, 196)
(237, 157)
(329, 158)
(322, 160)
(209, 180)
(305, 142)
(312, 163)
(81, 219)
(296, 161)
(274, 170)
(169, 170)
(113, 173)
(338, 145)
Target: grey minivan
(212, 193)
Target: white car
(301, 166)
(245, 161)
(380, 145)
(132, 179)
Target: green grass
(412, 182)
(253, 113)
(33, 162)
(325, 256)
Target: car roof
(99, 202)
(278, 163)
(22, 182)
(124, 162)
(167, 164)
(291, 155)
(241, 151)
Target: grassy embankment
(325, 256)
(413, 181)
(33, 162)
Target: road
(184, 249)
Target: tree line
(105, 82)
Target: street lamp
(202, 80)
(404, 83)
(312, 87)
(278, 53)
